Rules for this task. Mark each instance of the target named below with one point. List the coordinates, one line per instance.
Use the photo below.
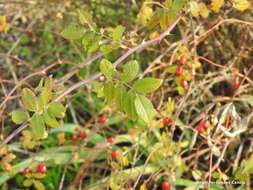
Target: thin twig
(217, 164)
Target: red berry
(42, 168)
(26, 171)
(182, 60)
(202, 126)
(179, 70)
(236, 83)
(114, 154)
(203, 123)
(200, 129)
(74, 139)
(102, 119)
(83, 135)
(110, 140)
(183, 83)
(166, 185)
(167, 121)
(78, 130)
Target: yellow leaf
(241, 5)
(39, 175)
(6, 165)
(145, 14)
(9, 157)
(196, 174)
(164, 20)
(184, 144)
(170, 106)
(187, 75)
(194, 8)
(76, 156)
(143, 187)
(160, 125)
(153, 35)
(204, 12)
(114, 165)
(153, 21)
(5, 162)
(4, 26)
(3, 150)
(30, 144)
(61, 138)
(124, 161)
(196, 64)
(113, 185)
(27, 182)
(171, 17)
(38, 185)
(216, 5)
(27, 134)
(27, 140)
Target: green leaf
(109, 91)
(180, 90)
(120, 92)
(91, 41)
(168, 3)
(29, 99)
(19, 116)
(86, 18)
(178, 5)
(50, 120)
(107, 69)
(183, 182)
(45, 88)
(27, 182)
(49, 82)
(164, 19)
(72, 32)
(144, 108)
(147, 85)
(38, 185)
(130, 71)
(170, 106)
(171, 69)
(106, 48)
(98, 88)
(83, 73)
(172, 16)
(56, 109)
(38, 126)
(117, 33)
(128, 105)
(45, 97)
